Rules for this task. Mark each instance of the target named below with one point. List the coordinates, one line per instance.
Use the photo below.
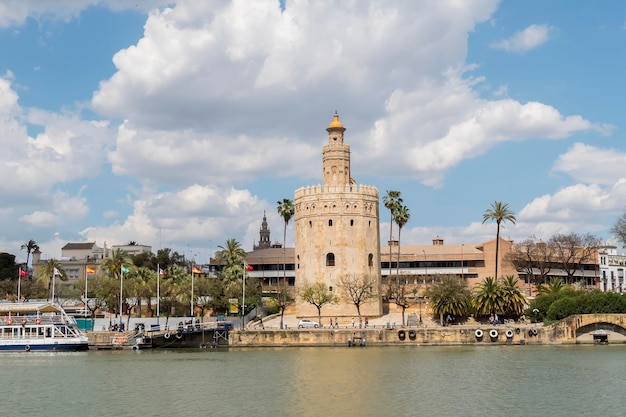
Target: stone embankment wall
(574, 329)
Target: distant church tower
(337, 230)
(264, 235)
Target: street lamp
(425, 265)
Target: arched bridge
(592, 328)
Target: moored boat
(192, 335)
(31, 327)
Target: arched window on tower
(330, 259)
(330, 222)
(351, 222)
(370, 260)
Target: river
(311, 382)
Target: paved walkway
(392, 319)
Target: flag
(90, 270)
(161, 271)
(23, 273)
(56, 272)
(196, 270)
(249, 267)
(125, 269)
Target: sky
(179, 124)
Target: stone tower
(337, 230)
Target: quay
(578, 329)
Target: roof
(78, 246)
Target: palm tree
(286, 211)
(450, 295)
(488, 298)
(392, 201)
(499, 212)
(47, 272)
(401, 217)
(30, 246)
(513, 298)
(231, 254)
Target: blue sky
(178, 124)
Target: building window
(370, 260)
(351, 222)
(330, 259)
(310, 223)
(330, 222)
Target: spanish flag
(90, 270)
(196, 270)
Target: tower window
(330, 222)
(330, 259)
(351, 222)
(310, 223)
(370, 260)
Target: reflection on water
(372, 381)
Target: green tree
(514, 300)
(229, 281)
(286, 210)
(449, 295)
(8, 267)
(498, 212)
(392, 201)
(402, 295)
(555, 285)
(30, 246)
(318, 295)
(488, 297)
(401, 217)
(112, 267)
(47, 274)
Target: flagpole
(86, 274)
(121, 291)
(19, 284)
(191, 302)
(243, 298)
(54, 274)
(158, 290)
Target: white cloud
(591, 165)
(523, 41)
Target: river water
(372, 381)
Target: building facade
(337, 230)
(611, 269)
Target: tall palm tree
(286, 211)
(47, 272)
(499, 212)
(230, 256)
(401, 217)
(30, 246)
(392, 201)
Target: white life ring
(493, 333)
(478, 333)
(533, 332)
(166, 335)
(509, 333)
(27, 348)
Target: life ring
(493, 333)
(38, 320)
(135, 347)
(166, 335)
(509, 333)
(533, 332)
(401, 335)
(478, 333)
(27, 348)
(23, 321)
(412, 334)
(9, 321)
(179, 335)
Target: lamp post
(425, 265)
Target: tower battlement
(348, 189)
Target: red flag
(196, 270)
(23, 273)
(249, 267)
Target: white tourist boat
(38, 327)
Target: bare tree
(283, 298)
(571, 251)
(533, 258)
(402, 294)
(319, 295)
(358, 289)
